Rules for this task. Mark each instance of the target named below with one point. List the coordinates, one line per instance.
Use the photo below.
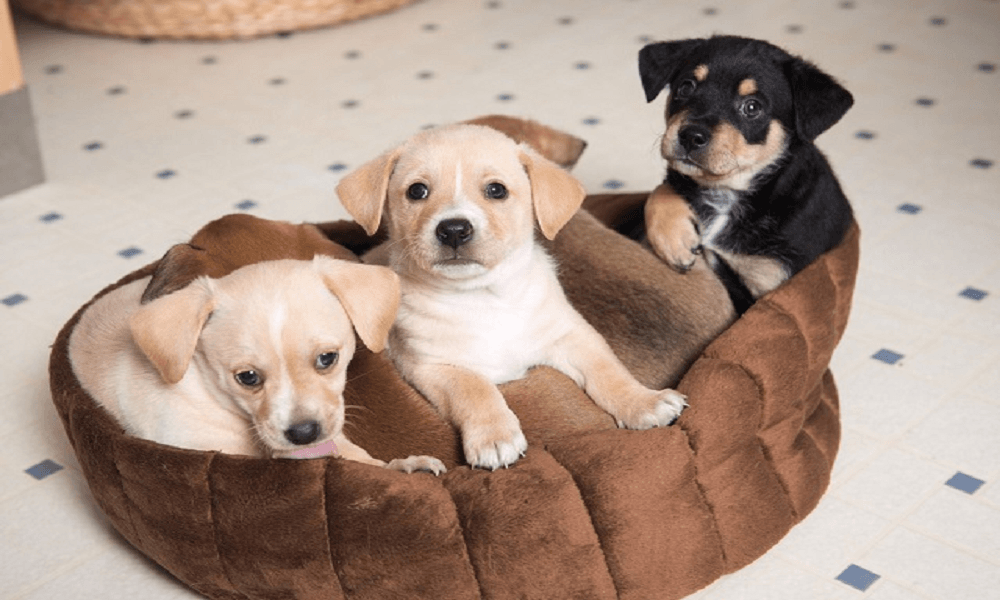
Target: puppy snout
(454, 232)
(694, 137)
(303, 433)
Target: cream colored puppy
(481, 302)
(251, 363)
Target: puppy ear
(556, 195)
(818, 99)
(560, 147)
(167, 329)
(363, 191)
(369, 294)
(658, 64)
(182, 264)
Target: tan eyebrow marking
(701, 72)
(747, 87)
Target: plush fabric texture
(591, 512)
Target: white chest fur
(723, 203)
(498, 330)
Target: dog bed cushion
(591, 512)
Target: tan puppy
(481, 302)
(251, 363)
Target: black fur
(794, 209)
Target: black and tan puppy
(744, 182)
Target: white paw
(658, 409)
(411, 464)
(496, 443)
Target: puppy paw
(654, 409)
(411, 464)
(679, 245)
(491, 444)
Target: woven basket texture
(201, 19)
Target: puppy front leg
(491, 432)
(672, 228)
(586, 357)
(351, 451)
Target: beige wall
(10, 63)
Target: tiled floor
(144, 142)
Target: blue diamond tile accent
(257, 139)
(865, 135)
(246, 205)
(166, 174)
(887, 47)
(44, 469)
(986, 67)
(965, 483)
(973, 294)
(887, 356)
(14, 299)
(981, 163)
(910, 209)
(505, 97)
(50, 217)
(582, 65)
(858, 578)
(614, 184)
(92, 146)
(130, 252)
(925, 102)
(338, 167)
(591, 121)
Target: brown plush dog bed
(590, 512)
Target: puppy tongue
(315, 451)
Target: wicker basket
(201, 19)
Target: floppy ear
(363, 191)
(182, 264)
(658, 63)
(555, 194)
(818, 99)
(368, 293)
(167, 329)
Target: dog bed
(590, 512)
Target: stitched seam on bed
(326, 524)
(768, 459)
(703, 494)
(590, 517)
(465, 542)
(128, 500)
(215, 529)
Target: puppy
(481, 303)
(251, 363)
(744, 180)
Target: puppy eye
(418, 191)
(326, 360)
(496, 191)
(686, 88)
(249, 378)
(751, 108)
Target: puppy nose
(303, 433)
(454, 232)
(694, 137)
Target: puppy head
(459, 200)
(736, 105)
(272, 341)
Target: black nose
(694, 137)
(303, 433)
(454, 232)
